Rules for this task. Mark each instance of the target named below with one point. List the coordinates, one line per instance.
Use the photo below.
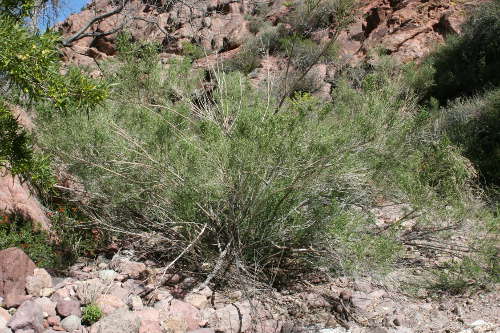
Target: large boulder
(16, 198)
(15, 267)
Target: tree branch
(81, 33)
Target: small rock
(47, 292)
(203, 330)
(118, 291)
(47, 306)
(120, 321)
(40, 279)
(3, 323)
(345, 295)
(103, 265)
(175, 325)
(136, 303)
(149, 326)
(71, 323)
(109, 303)
(333, 330)
(131, 268)
(69, 307)
(5, 314)
(148, 314)
(54, 320)
(480, 326)
(14, 300)
(197, 300)
(15, 267)
(107, 275)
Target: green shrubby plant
(312, 15)
(474, 126)
(468, 63)
(192, 51)
(91, 314)
(220, 173)
(15, 232)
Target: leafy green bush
(469, 63)
(15, 232)
(474, 125)
(16, 152)
(219, 173)
(312, 15)
(305, 53)
(91, 314)
(192, 51)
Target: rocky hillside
(408, 30)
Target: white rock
(71, 323)
(107, 275)
(136, 303)
(333, 330)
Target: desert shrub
(267, 41)
(15, 232)
(91, 314)
(246, 61)
(304, 53)
(312, 15)
(469, 63)
(474, 125)
(192, 51)
(228, 178)
(17, 154)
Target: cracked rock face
(407, 29)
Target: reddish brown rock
(109, 303)
(15, 267)
(68, 307)
(16, 198)
(28, 316)
(149, 326)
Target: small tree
(31, 70)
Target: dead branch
(81, 33)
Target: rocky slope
(140, 297)
(406, 29)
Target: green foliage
(31, 62)
(17, 9)
(304, 53)
(310, 15)
(220, 169)
(474, 125)
(91, 314)
(192, 51)
(469, 63)
(15, 232)
(30, 67)
(16, 152)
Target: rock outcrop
(407, 29)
